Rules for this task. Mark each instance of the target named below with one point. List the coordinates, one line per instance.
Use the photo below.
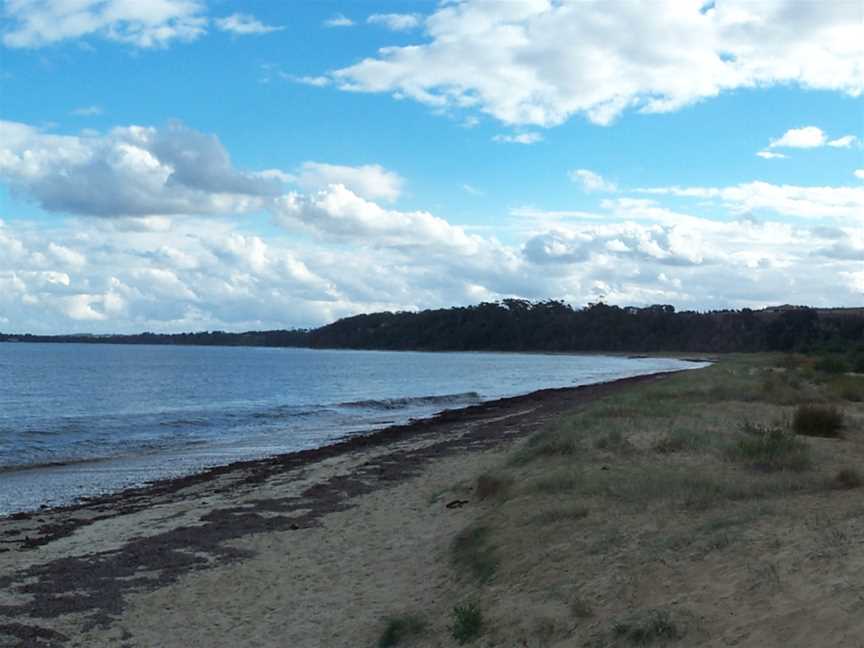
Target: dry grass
(624, 503)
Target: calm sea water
(79, 419)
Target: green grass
(467, 623)
(472, 552)
(399, 629)
(489, 486)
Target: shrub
(658, 625)
(771, 448)
(832, 364)
(399, 629)
(472, 552)
(850, 388)
(847, 479)
(467, 623)
(817, 420)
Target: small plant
(658, 625)
(467, 623)
(818, 421)
(489, 486)
(771, 448)
(472, 552)
(847, 479)
(398, 629)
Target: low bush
(656, 626)
(847, 479)
(399, 629)
(467, 623)
(818, 421)
(771, 448)
(832, 364)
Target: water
(78, 419)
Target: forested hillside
(518, 325)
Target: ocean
(86, 419)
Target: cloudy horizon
(248, 165)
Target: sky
(178, 165)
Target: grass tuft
(768, 447)
(818, 421)
(492, 486)
(467, 623)
(399, 629)
(471, 551)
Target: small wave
(401, 403)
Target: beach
(267, 549)
(608, 515)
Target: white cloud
(37, 23)
(768, 155)
(540, 62)
(843, 142)
(87, 111)
(338, 20)
(806, 137)
(244, 25)
(395, 21)
(521, 138)
(474, 191)
(859, 173)
(809, 137)
(787, 200)
(129, 171)
(370, 181)
(591, 181)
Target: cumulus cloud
(809, 137)
(241, 24)
(129, 171)
(37, 23)
(396, 21)
(520, 138)
(338, 20)
(770, 155)
(540, 62)
(591, 181)
(859, 173)
(370, 181)
(806, 137)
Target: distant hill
(520, 325)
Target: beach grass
(728, 463)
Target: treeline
(519, 325)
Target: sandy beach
(306, 549)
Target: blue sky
(177, 164)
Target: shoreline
(76, 567)
(348, 443)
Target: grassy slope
(654, 517)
